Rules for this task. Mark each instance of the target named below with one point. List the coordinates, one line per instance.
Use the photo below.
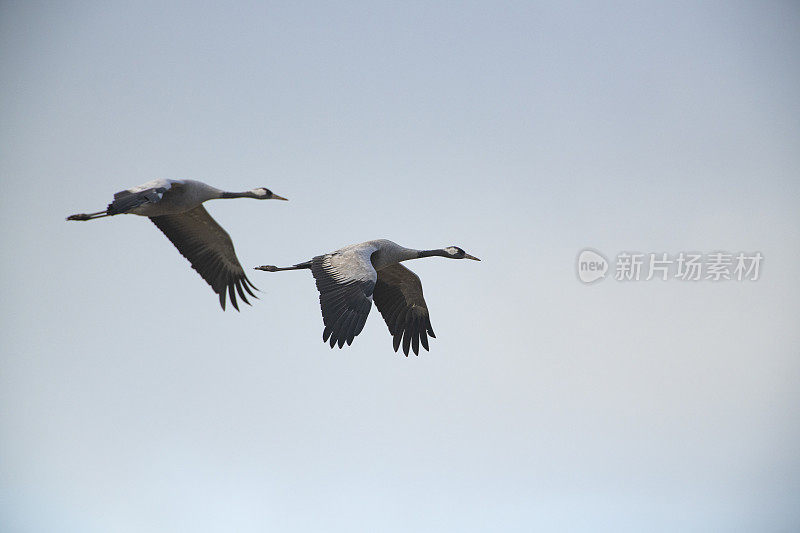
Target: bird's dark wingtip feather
(241, 292)
(406, 342)
(423, 339)
(222, 300)
(232, 293)
(247, 282)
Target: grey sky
(522, 132)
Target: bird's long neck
(245, 194)
(391, 253)
(198, 192)
(431, 253)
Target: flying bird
(176, 208)
(348, 280)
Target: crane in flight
(351, 277)
(176, 208)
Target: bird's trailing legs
(89, 216)
(273, 268)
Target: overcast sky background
(522, 132)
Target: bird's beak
(467, 256)
(276, 197)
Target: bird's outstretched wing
(345, 281)
(398, 296)
(209, 249)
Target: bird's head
(454, 252)
(262, 193)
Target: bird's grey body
(349, 278)
(151, 199)
(176, 208)
(363, 260)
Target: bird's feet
(267, 268)
(82, 216)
